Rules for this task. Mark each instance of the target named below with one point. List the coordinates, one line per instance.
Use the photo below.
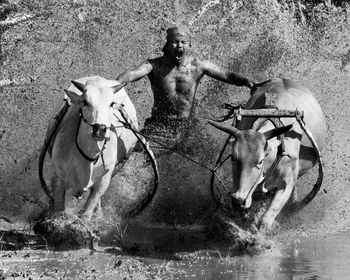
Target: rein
(85, 156)
(127, 125)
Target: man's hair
(178, 31)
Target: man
(174, 78)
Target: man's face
(177, 47)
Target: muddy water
(312, 257)
(304, 258)
(155, 257)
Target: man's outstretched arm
(135, 74)
(224, 75)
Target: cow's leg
(280, 199)
(98, 210)
(59, 193)
(95, 195)
(282, 195)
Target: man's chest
(177, 76)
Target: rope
(95, 159)
(59, 117)
(126, 125)
(299, 205)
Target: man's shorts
(165, 135)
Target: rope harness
(274, 115)
(270, 113)
(166, 147)
(127, 123)
(100, 153)
(235, 113)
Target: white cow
(90, 141)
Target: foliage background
(305, 41)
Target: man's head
(178, 43)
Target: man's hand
(253, 87)
(118, 87)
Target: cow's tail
(297, 206)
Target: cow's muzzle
(244, 201)
(99, 131)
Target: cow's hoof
(265, 229)
(63, 231)
(85, 216)
(253, 229)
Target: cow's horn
(117, 88)
(79, 86)
(226, 128)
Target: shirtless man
(174, 79)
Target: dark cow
(256, 146)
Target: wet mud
(64, 231)
(137, 251)
(129, 251)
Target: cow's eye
(115, 105)
(85, 103)
(260, 163)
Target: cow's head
(97, 104)
(249, 151)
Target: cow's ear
(78, 85)
(277, 131)
(75, 98)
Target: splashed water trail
(184, 253)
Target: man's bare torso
(174, 87)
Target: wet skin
(175, 77)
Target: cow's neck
(88, 145)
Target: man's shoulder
(196, 61)
(200, 63)
(156, 60)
